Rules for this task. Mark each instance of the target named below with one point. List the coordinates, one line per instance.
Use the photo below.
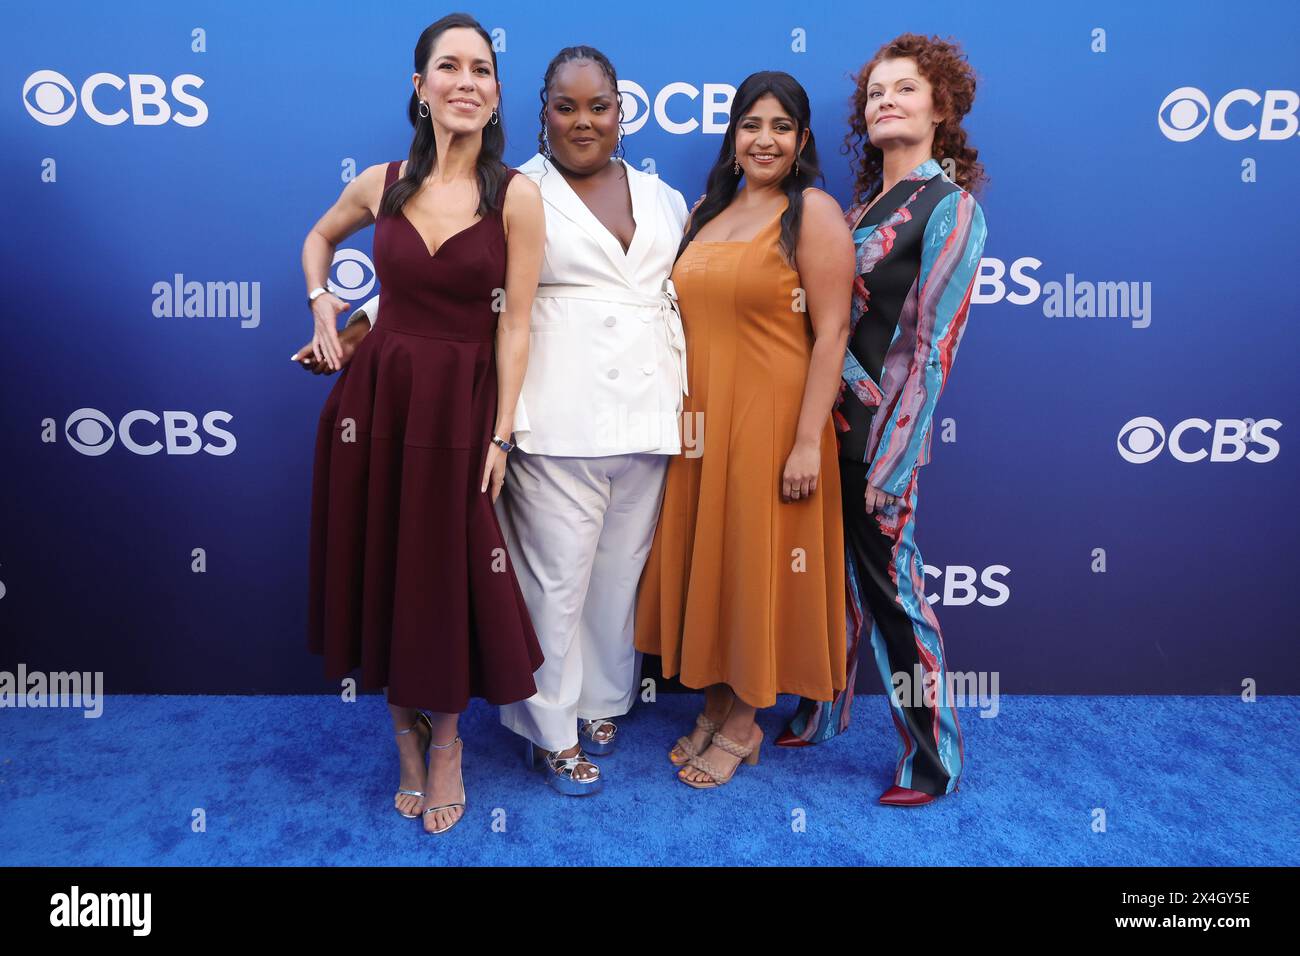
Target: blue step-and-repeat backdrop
(1111, 502)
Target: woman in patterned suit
(918, 236)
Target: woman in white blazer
(597, 419)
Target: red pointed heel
(903, 797)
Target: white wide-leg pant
(578, 531)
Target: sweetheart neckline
(442, 245)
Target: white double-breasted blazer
(607, 355)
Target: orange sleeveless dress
(740, 587)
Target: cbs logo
(51, 99)
(91, 432)
(637, 107)
(1141, 439)
(990, 287)
(352, 275)
(1186, 112)
(959, 585)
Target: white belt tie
(670, 317)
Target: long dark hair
(722, 182)
(424, 147)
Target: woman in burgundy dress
(409, 575)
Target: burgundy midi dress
(410, 579)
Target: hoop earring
(423, 110)
(495, 119)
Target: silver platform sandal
(597, 741)
(559, 771)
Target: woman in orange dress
(743, 592)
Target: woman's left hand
(801, 470)
(878, 500)
(349, 339)
(494, 470)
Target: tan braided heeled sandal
(747, 755)
(705, 724)
(687, 746)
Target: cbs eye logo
(49, 97)
(1184, 114)
(1140, 440)
(635, 105)
(89, 431)
(352, 275)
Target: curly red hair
(952, 78)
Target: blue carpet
(310, 781)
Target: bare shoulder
(368, 186)
(375, 173)
(522, 192)
(523, 205)
(823, 220)
(820, 204)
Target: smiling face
(900, 105)
(767, 141)
(459, 82)
(581, 116)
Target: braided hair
(568, 55)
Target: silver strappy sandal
(415, 793)
(447, 806)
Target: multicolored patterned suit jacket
(918, 253)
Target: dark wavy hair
(424, 147)
(722, 182)
(568, 55)
(944, 66)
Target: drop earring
(546, 144)
(735, 165)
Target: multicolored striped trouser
(886, 605)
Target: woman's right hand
(348, 340)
